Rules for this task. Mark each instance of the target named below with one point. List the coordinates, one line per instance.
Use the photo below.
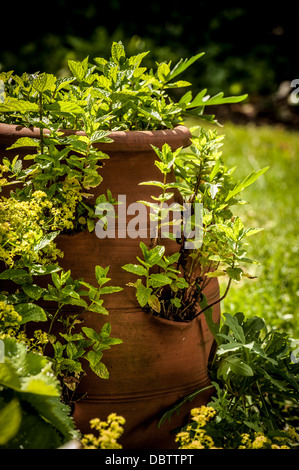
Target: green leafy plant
(69, 344)
(31, 413)
(204, 421)
(119, 93)
(201, 179)
(256, 386)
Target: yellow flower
(109, 432)
(261, 441)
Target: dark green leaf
(30, 312)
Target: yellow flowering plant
(256, 382)
(205, 432)
(105, 434)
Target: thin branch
(216, 301)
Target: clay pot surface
(159, 361)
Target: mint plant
(68, 344)
(201, 178)
(119, 93)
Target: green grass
(274, 205)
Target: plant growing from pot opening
(52, 193)
(172, 287)
(119, 93)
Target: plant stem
(41, 119)
(216, 301)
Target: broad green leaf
(159, 280)
(252, 231)
(253, 326)
(44, 383)
(117, 52)
(155, 254)
(176, 302)
(30, 312)
(35, 433)
(30, 374)
(40, 270)
(67, 107)
(100, 136)
(107, 343)
(55, 413)
(101, 273)
(33, 291)
(253, 426)
(22, 106)
(25, 142)
(218, 99)
(186, 98)
(198, 100)
(8, 375)
(178, 84)
(71, 350)
(235, 273)
(44, 82)
(228, 347)
(45, 240)
(63, 82)
(78, 69)
(163, 72)
(277, 383)
(154, 303)
(106, 330)
(10, 421)
(236, 329)
(229, 232)
(237, 366)
(13, 273)
(91, 333)
(143, 294)
(94, 357)
(215, 273)
(214, 327)
(101, 370)
(137, 59)
(135, 269)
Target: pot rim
(124, 141)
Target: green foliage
(255, 376)
(30, 398)
(118, 93)
(201, 179)
(274, 295)
(203, 432)
(73, 344)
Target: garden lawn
(274, 205)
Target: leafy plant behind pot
(256, 382)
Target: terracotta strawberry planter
(159, 361)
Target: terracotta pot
(159, 361)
